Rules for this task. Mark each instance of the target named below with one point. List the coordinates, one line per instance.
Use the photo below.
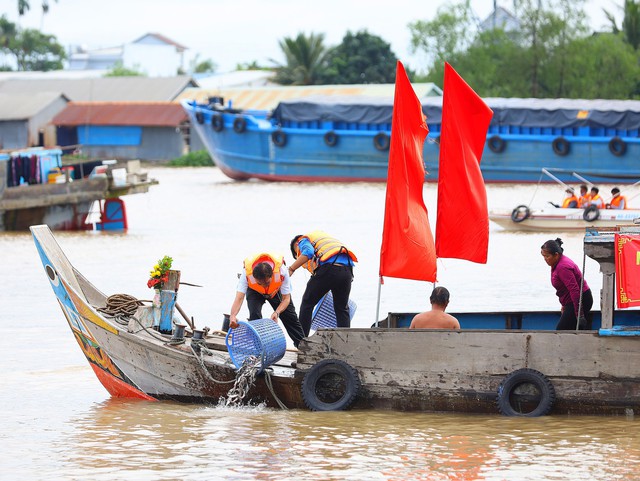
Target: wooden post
(174, 281)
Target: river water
(59, 423)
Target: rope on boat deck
(199, 357)
(120, 307)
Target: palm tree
(24, 6)
(305, 56)
(630, 23)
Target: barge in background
(347, 138)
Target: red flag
(462, 225)
(627, 261)
(407, 249)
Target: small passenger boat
(554, 218)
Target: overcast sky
(241, 31)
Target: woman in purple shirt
(567, 280)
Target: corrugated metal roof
(163, 39)
(267, 98)
(105, 89)
(24, 106)
(145, 114)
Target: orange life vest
(275, 261)
(568, 200)
(584, 200)
(617, 200)
(597, 201)
(324, 247)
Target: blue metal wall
(109, 135)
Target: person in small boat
(595, 199)
(567, 280)
(331, 266)
(617, 201)
(585, 198)
(570, 201)
(266, 278)
(436, 318)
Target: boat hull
(306, 155)
(461, 371)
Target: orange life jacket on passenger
(617, 200)
(324, 247)
(275, 261)
(568, 200)
(584, 200)
(597, 201)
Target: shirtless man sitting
(436, 318)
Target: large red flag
(462, 225)
(407, 249)
(627, 262)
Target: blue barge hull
(338, 139)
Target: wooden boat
(64, 201)
(343, 138)
(504, 362)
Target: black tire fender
(217, 122)
(200, 117)
(239, 124)
(279, 138)
(381, 141)
(323, 378)
(617, 146)
(496, 144)
(561, 146)
(507, 404)
(520, 213)
(591, 213)
(331, 139)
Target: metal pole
(555, 178)
(378, 303)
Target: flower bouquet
(160, 273)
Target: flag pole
(378, 303)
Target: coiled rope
(121, 307)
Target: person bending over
(266, 278)
(331, 267)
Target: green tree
(304, 59)
(630, 23)
(34, 50)
(361, 58)
(450, 33)
(25, 5)
(203, 66)
(119, 70)
(494, 65)
(546, 28)
(602, 66)
(253, 65)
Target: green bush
(198, 158)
